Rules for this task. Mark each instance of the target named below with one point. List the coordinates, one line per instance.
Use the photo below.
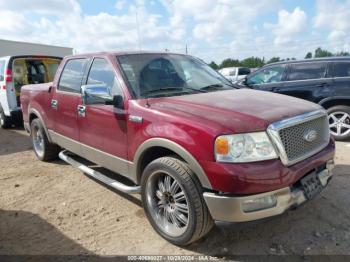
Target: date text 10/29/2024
(172, 258)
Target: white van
(17, 71)
(234, 73)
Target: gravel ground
(52, 208)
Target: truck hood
(239, 110)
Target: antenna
(186, 50)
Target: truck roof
(118, 53)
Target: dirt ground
(52, 208)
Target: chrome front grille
(300, 137)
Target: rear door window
(307, 71)
(341, 69)
(72, 75)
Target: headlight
(244, 148)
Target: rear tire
(5, 121)
(339, 122)
(44, 150)
(173, 201)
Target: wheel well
(336, 102)
(152, 154)
(32, 116)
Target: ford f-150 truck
(197, 149)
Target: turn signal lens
(221, 146)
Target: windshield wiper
(161, 90)
(212, 87)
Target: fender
(35, 112)
(325, 100)
(182, 152)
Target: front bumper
(230, 208)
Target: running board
(99, 176)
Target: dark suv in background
(325, 81)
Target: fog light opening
(257, 204)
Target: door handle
(54, 104)
(81, 110)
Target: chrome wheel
(339, 123)
(38, 141)
(167, 203)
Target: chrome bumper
(229, 209)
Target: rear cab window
(72, 75)
(341, 69)
(307, 71)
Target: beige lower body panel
(113, 163)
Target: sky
(211, 29)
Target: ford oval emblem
(311, 135)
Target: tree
(319, 52)
(253, 62)
(230, 63)
(308, 55)
(273, 60)
(342, 53)
(214, 65)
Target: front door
(267, 78)
(103, 132)
(64, 104)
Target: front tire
(44, 150)
(339, 122)
(173, 201)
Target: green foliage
(230, 63)
(214, 65)
(319, 52)
(308, 55)
(254, 62)
(273, 60)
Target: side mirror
(1, 78)
(100, 94)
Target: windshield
(159, 75)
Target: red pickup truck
(196, 148)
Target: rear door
(65, 102)
(308, 80)
(103, 133)
(341, 72)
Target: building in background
(10, 48)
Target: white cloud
(120, 4)
(333, 16)
(215, 20)
(288, 26)
(68, 26)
